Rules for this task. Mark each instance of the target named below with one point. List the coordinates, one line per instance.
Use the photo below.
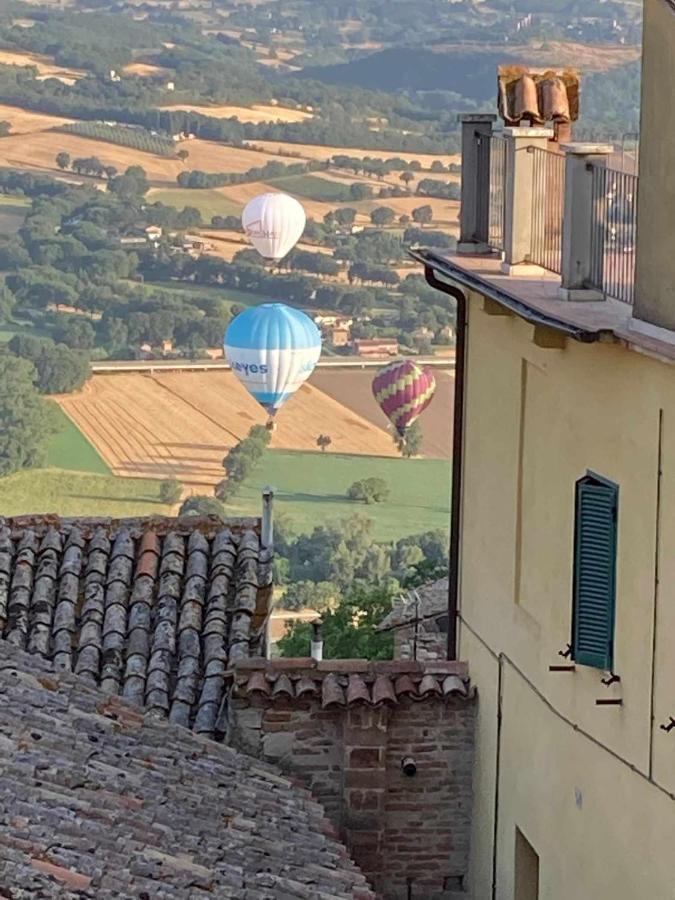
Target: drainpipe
(457, 453)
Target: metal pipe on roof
(267, 524)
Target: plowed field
(181, 424)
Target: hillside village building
(562, 586)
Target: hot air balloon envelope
(274, 224)
(272, 349)
(403, 391)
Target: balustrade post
(474, 211)
(583, 226)
(519, 188)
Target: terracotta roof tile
(151, 609)
(404, 685)
(537, 96)
(332, 693)
(138, 808)
(295, 679)
(357, 690)
(383, 690)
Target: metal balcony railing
(548, 208)
(613, 232)
(497, 188)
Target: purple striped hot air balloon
(403, 390)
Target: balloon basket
(271, 425)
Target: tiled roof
(341, 683)
(537, 97)
(152, 609)
(97, 801)
(426, 602)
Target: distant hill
(470, 74)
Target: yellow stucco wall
(536, 421)
(655, 281)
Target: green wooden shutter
(594, 572)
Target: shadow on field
(108, 498)
(312, 498)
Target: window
(526, 869)
(595, 534)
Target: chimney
(317, 641)
(267, 526)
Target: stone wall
(344, 728)
(423, 640)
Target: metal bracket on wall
(605, 702)
(669, 727)
(571, 668)
(613, 679)
(566, 653)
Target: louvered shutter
(594, 572)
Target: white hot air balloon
(274, 224)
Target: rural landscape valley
(131, 139)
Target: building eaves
(536, 300)
(465, 272)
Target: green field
(311, 488)
(9, 329)
(79, 494)
(208, 201)
(229, 296)
(69, 449)
(313, 188)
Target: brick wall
(409, 835)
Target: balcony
(546, 208)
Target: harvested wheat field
(181, 424)
(145, 70)
(23, 121)
(40, 152)
(353, 386)
(45, 65)
(226, 243)
(315, 151)
(259, 112)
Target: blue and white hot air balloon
(272, 349)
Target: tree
(349, 631)
(358, 191)
(345, 216)
(63, 159)
(411, 443)
(5, 128)
(423, 215)
(78, 334)
(59, 369)
(110, 172)
(323, 441)
(370, 490)
(404, 220)
(406, 177)
(201, 505)
(26, 421)
(382, 215)
(319, 595)
(182, 155)
(170, 491)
